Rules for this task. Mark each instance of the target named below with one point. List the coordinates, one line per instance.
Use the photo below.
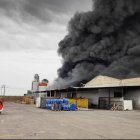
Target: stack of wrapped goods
(54, 104)
(65, 105)
(27, 100)
(61, 104)
(49, 104)
(32, 101)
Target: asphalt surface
(20, 121)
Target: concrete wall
(134, 95)
(94, 95)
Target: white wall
(134, 95)
(94, 95)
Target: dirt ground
(19, 121)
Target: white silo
(35, 83)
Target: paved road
(20, 121)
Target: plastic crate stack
(60, 104)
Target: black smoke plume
(103, 41)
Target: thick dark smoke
(103, 41)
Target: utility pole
(3, 90)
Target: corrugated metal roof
(106, 81)
(131, 82)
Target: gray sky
(30, 31)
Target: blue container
(65, 101)
(51, 101)
(57, 101)
(72, 107)
(49, 106)
(61, 101)
(54, 101)
(60, 107)
(48, 101)
(65, 107)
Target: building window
(73, 95)
(52, 94)
(69, 95)
(48, 94)
(117, 94)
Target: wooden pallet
(115, 107)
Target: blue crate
(49, 106)
(65, 101)
(72, 107)
(65, 107)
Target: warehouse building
(103, 91)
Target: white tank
(38, 101)
(35, 86)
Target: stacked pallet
(115, 107)
(27, 100)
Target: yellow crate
(72, 101)
(82, 103)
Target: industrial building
(112, 89)
(35, 83)
(103, 91)
(38, 88)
